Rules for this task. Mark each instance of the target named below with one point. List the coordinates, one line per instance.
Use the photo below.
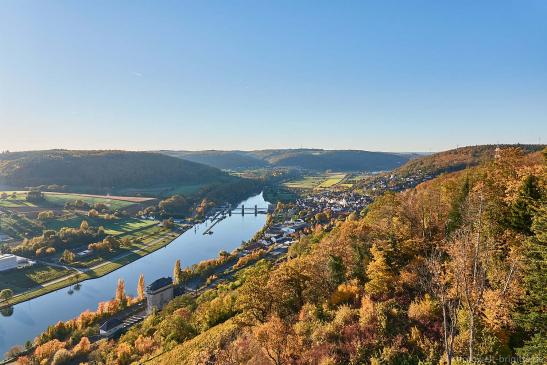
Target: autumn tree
(84, 226)
(68, 256)
(276, 339)
(121, 298)
(381, 278)
(177, 273)
(140, 287)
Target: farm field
(164, 191)
(19, 226)
(113, 227)
(332, 180)
(113, 203)
(308, 182)
(20, 280)
(17, 202)
(324, 181)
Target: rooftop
(159, 283)
(110, 324)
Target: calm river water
(32, 317)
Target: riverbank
(161, 240)
(27, 320)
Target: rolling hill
(456, 159)
(226, 160)
(309, 159)
(101, 169)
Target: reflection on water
(26, 320)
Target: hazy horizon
(377, 76)
(262, 149)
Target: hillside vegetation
(101, 169)
(457, 159)
(226, 160)
(309, 159)
(449, 272)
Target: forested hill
(310, 159)
(100, 169)
(227, 160)
(457, 159)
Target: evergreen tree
(532, 316)
(523, 210)
(455, 214)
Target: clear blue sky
(375, 75)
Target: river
(32, 317)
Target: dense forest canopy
(309, 159)
(101, 169)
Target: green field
(15, 203)
(62, 199)
(163, 191)
(316, 181)
(20, 280)
(332, 180)
(308, 182)
(18, 202)
(113, 227)
(19, 226)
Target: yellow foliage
(367, 312)
(346, 292)
(423, 310)
(48, 349)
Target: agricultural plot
(117, 226)
(164, 191)
(19, 226)
(114, 203)
(308, 182)
(332, 180)
(20, 280)
(325, 181)
(15, 203)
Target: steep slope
(100, 169)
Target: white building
(9, 261)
